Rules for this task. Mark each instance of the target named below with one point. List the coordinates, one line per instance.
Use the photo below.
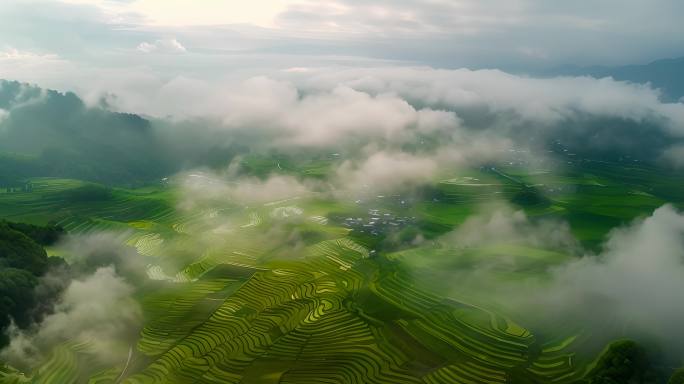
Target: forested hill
(22, 262)
(45, 133)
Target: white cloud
(12, 53)
(521, 34)
(212, 12)
(20, 64)
(97, 309)
(674, 156)
(501, 224)
(162, 46)
(637, 279)
(329, 117)
(545, 100)
(431, 121)
(201, 189)
(385, 171)
(389, 106)
(47, 69)
(324, 105)
(630, 289)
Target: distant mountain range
(666, 75)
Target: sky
(222, 35)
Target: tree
(624, 362)
(22, 262)
(677, 377)
(17, 297)
(18, 251)
(43, 235)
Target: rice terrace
(311, 192)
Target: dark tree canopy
(46, 235)
(624, 362)
(22, 262)
(16, 296)
(18, 251)
(57, 134)
(677, 377)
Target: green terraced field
(239, 310)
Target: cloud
(20, 64)
(94, 304)
(327, 103)
(162, 46)
(527, 110)
(394, 106)
(97, 309)
(187, 13)
(327, 117)
(383, 171)
(493, 33)
(391, 107)
(87, 253)
(323, 118)
(627, 290)
(202, 188)
(545, 100)
(501, 224)
(431, 121)
(636, 279)
(383, 19)
(328, 106)
(674, 156)
(20, 56)
(523, 35)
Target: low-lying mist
(630, 289)
(377, 131)
(95, 309)
(435, 116)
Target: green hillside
(349, 305)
